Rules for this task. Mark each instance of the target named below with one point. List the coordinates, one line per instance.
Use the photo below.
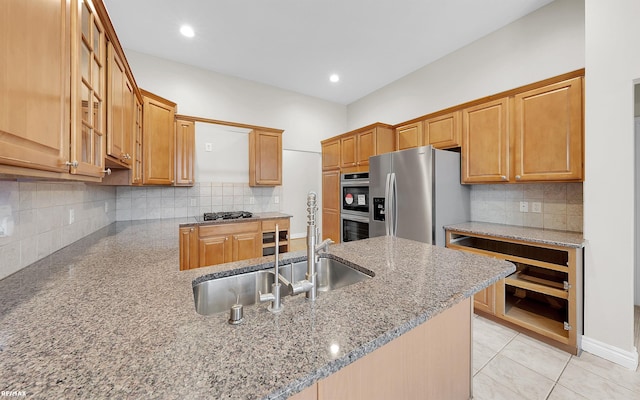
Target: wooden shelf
(543, 296)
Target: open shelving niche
(543, 296)
(269, 236)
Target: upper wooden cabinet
(158, 140)
(120, 112)
(485, 142)
(34, 84)
(185, 148)
(265, 158)
(89, 89)
(356, 147)
(136, 167)
(331, 154)
(444, 131)
(547, 133)
(408, 136)
(535, 135)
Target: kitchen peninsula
(111, 316)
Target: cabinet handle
(73, 164)
(517, 177)
(503, 177)
(107, 171)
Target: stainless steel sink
(217, 295)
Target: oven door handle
(356, 218)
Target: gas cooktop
(212, 216)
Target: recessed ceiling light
(187, 31)
(334, 78)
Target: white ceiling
(297, 44)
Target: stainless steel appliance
(354, 209)
(415, 192)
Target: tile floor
(509, 365)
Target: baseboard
(628, 359)
(298, 235)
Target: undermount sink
(217, 295)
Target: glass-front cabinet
(88, 85)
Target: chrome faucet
(312, 248)
(274, 296)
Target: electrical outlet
(276, 200)
(106, 207)
(252, 200)
(208, 147)
(192, 202)
(536, 207)
(72, 216)
(524, 206)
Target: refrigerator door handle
(394, 209)
(387, 204)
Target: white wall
(612, 65)
(543, 44)
(305, 120)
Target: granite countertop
(535, 235)
(199, 220)
(112, 316)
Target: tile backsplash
(35, 218)
(562, 205)
(135, 203)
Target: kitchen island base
(432, 361)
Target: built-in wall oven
(354, 211)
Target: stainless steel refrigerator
(415, 192)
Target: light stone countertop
(112, 316)
(535, 235)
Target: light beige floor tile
(593, 386)
(540, 357)
(560, 392)
(482, 354)
(492, 335)
(608, 370)
(522, 380)
(485, 388)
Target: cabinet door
(408, 136)
(548, 133)
(137, 143)
(331, 205)
(348, 151)
(331, 155)
(444, 131)
(185, 148)
(34, 84)
(365, 147)
(188, 248)
(247, 245)
(88, 111)
(215, 250)
(120, 110)
(484, 300)
(158, 141)
(485, 139)
(265, 158)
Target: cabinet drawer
(223, 229)
(270, 225)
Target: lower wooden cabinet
(543, 298)
(205, 245)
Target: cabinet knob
(518, 177)
(73, 164)
(503, 177)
